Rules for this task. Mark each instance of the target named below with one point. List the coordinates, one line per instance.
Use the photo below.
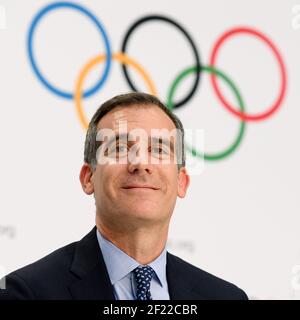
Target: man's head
(129, 193)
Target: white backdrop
(240, 219)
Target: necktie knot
(143, 276)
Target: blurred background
(241, 217)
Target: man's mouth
(140, 186)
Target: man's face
(137, 192)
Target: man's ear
(183, 182)
(85, 176)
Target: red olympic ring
(278, 101)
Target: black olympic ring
(197, 65)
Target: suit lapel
(88, 265)
(181, 286)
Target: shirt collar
(119, 264)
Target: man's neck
(142, 244)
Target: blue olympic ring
(45, 82)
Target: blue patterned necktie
(143, 277)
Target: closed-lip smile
(139, 186)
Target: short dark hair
(128, 99)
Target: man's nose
(139, 161)
(139, 168)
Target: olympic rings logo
(197, 69)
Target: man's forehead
(126, 118)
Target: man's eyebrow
(114, 138)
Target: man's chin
(136, 213)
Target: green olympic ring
(241, 133)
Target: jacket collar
(88, 265)
(93, 279)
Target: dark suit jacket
(77, 271)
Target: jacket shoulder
(48, 274)
(207, 284)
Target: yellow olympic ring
(123, 58)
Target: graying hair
(129, 99)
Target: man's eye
(121, 148)
(117, 149)
(159, 150)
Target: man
(135, 176)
